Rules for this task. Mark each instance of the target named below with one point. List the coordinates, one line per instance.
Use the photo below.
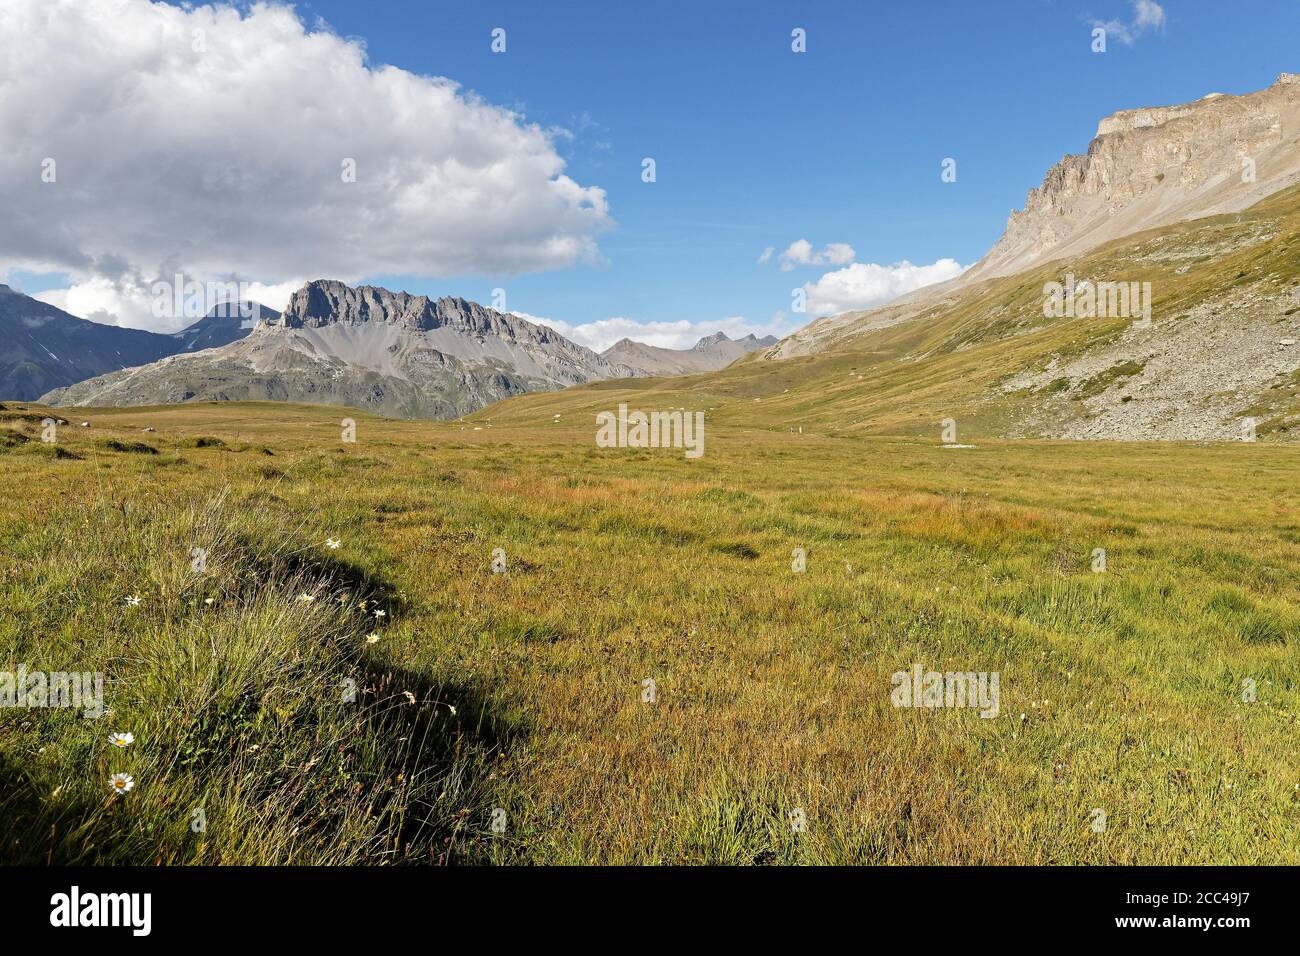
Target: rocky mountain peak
(326, 302)
(708, 340)
(1153, 166)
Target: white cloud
(212, 141)
(766, 256)
(681, 334)
(801, 253)
(1147, 15)
(117, 303)
(866, 284)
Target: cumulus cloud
(216, 142)
(111, 302)
(801, 253)
(1147, 15)
(866, 284)
(679, 334)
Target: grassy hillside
(1239, 275)
(523, 691)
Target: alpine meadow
(554, 434)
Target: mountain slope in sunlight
(1219, 356)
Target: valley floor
(649, 679)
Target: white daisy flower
(372, 638)
(121, 740)
(332, 543)
(133, 600)
(381, 613)
(121, 782)
(306, 598)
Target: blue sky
(757, 146)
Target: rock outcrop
(1155, 166)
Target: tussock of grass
(130, 447)
(234, 685)
(29, 417)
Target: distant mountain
(227, 322)
(42, 347)
(366, 347)
(707, 355)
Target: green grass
(1104, 380)
(1119, 690)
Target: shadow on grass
(400, 773)
(452, 736)
(435, 798)
(32, 818)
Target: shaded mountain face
(388, 352)
(226, 323)
(42, 347)
(707, 355)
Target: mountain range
(707, 355)
(1200, 202)
(226, 323)
(388, 352)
